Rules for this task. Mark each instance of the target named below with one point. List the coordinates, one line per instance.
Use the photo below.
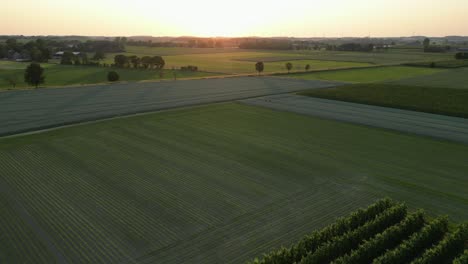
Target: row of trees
(342, 245)
(449, 248)
(38, 50)
(146, 62)
(311, 242)
(390, 238)
(461, 56)
(411, 248)
(260, 67)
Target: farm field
(431, 125)
(443, 101)
(60, 75)
(28, 110)
(233, 63)
(367, 75)
(447, 79)
(378, 58)
(385, 232)
(156, 186)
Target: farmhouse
(59, 54)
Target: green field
(450, 64)
(457, 78)
(443, 101)
(220, 183)
(59, 75)
(378, 74)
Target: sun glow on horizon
(209, 18)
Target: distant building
(58, 55)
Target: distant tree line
(146, 62)
(41, 50)
(38, 50)
(191, 43)
(277, 44)
(117, 45)
(461, 56)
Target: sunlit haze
(304, 18)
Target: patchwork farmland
(155, 188)
(225, 168)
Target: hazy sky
(300, 18)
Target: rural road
(438, 126)
(30, 110)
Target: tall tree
(307, 67)
(121, 60)
(426, 43)
(67, 58)
(99, 55)
(135, 61)
(34, 75)
(158, 62)
(259, 67)
(289, 66)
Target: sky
(210, 18)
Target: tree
(426, 43)
(34, 74)
(289, 66)
(135, 61)
(99, 55)
(84, 58)
(307, 67)
(121, 60)
(259, 67)
(146, 61)
(113, 76)
(12, 80)
(67, 58)
(158, 62)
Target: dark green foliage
(99, 55)
(113, 76)
(412, 247)
(311, 242)
(189, 68)
(461, 56)
(34, 75)
(259, 67)
(351, 240)
(121, 61)
(67, 58)
(450, 247)
(307, 67)
(385, 240)
(444, 101)
(289, 66)
(462, 259)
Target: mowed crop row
(382, 233)
(219, 183)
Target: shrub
(113, 76)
